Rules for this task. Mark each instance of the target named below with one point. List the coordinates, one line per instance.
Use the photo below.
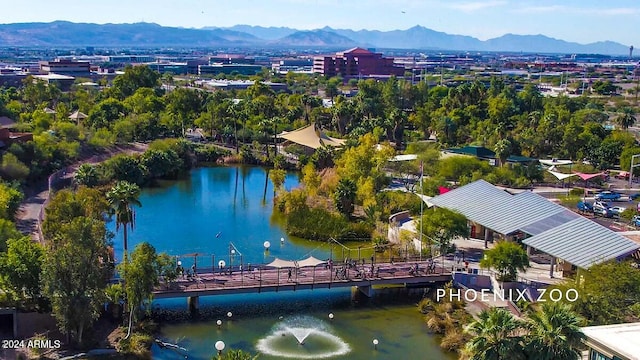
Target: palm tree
(121, 197)
(495, 336)
(554, 333)
(502, 149)
(626, 118)
(86, 175)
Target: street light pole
(631, 168)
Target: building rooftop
(553, 229)
(621, 338)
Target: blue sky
(573, 20)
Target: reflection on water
(212, 207)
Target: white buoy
(229, 314)
(281, 240)
(219, 323)
(267, 245)
(330, 316)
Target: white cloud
(577, 10)
(478, 5)
(540, 9)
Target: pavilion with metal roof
(548, 227)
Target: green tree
(8, 231)
(345, 196)
(277, 177)
(86, 175)
(441, 226)
(495, 336)
(235, 355)
(122, 197)
(12, 168)
(507, 258)
(554, 333)
(135, 77)
(140, 275)
(20, 268)
(124, 168)
(66, 205)
(502, 149)
(626, 117)
(10, 198)
(606, 292)
(74, 274)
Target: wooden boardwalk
(263, 279)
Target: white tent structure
(555, 162)
(311, 137)
(310, 261)
(77, 116)
(561, 176)
(279, 263)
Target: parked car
(617, 210)
(622, 175)
(585, 206)
(635, 220)
(601, 208)
(634, 196)
(608, 195)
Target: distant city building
(238, 84)
(192, 65)
(65, 67)
(293, 65)
(63, 82)
(231, 59)
(356, 62)
(169, 67)
(240, 69)
(131, 59)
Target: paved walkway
(30, 208)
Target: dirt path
(30, 208)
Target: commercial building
(65, 67)
(570, 240)
(304, 66)
(63, 82)
(240, 69)
(613, 342)
(356, 62)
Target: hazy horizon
(583, 22)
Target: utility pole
(631, 168)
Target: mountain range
(68, 34)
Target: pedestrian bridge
(258, 279)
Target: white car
(617, 210)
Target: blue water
(210, 208)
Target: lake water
(211, 208)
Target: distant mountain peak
(65, 33)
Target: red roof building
(356, 62)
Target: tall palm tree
(554, 333)
(495, 336)
(122, 196)
(626, 118)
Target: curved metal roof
(555, 230)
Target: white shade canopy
(553, 162)
(279, 263)
(77, 115)
(560, 176)
(311, 261)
